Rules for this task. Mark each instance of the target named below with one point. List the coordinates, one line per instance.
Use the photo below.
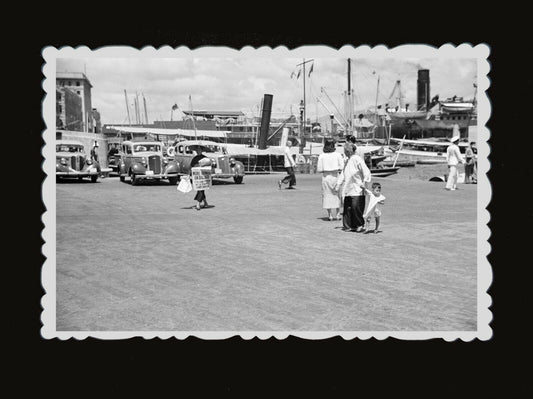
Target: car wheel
(133, 180)
(94, 178)
(237, 179)
(173, 180)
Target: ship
(432, 117)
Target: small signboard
(201, 178)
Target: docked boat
(400, 163)
(431, 161)
(425, 151)
(384, 172)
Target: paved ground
(140, 258)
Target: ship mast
(349, 100)
(302, 130)
(127, 106)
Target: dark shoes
(290, 188)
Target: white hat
(454, 139)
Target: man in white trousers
(454, 158)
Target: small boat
(377, 159)
(400, 163)
(427, 151)
(429, 161)
(384, 172)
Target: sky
(239, 84)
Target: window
(69, 83)
(77, 91)
(77, 83)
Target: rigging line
(340, 114)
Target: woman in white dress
(330, 164)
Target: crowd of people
(454, 158)
(347, 190)
(346, 183)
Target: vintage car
(223, 165)
(72, 161)
(144, 160)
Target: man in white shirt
(453, 157)
(352, 180)
(289, 164)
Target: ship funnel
(265, 121)
(423, 90)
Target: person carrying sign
(199, 160)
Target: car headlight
(89, 161)
(63, 161)
(213, 162)
(232, 161)
(143, 162)
(165, 161)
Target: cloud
(240, 83)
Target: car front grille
(154, 163)
(77, 162)
(222, 163)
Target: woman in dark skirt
(200, 194)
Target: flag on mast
(311, 70)
(292, 74)
(299, 72)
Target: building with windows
(79, 84)
(69, 114)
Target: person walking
(289, 164)
(453, 157)
(354, 177)
(330, 163)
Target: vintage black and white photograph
(260, 192)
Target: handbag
(184, 185)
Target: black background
(363, 368)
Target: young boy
(372, 210)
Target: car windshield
(146, 147)
(69, 148)
(207, 148)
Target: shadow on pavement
(194, 207)
(76, 181)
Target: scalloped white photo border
(479, 52)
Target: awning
(171, 132)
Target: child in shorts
(372, 209)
